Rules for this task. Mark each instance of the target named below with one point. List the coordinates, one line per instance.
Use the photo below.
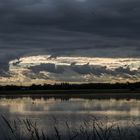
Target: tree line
(68, 86)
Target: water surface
(51, 112)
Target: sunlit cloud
(42, 69)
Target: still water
(49, 112)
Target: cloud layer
(69, 28)
(51, 69)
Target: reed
(95, 130)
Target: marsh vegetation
(88, 130)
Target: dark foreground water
(75, 115)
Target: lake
(73, 114)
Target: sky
(76, 41)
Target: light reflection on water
(27, 107)
(74, 111)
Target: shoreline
(67, 94)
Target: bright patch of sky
(42, 69)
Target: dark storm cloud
(4, 70)
(102, 28)
(48, 67)
(112, 18)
